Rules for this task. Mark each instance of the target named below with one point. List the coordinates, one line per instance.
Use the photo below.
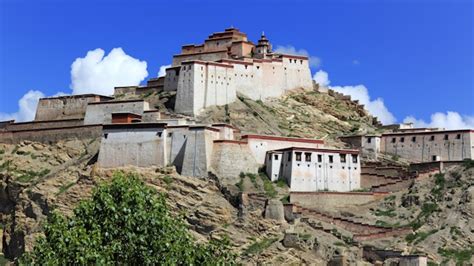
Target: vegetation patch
(28, 176)
(468, 163)
(258, 246)
(64, 188)
(389, 213)
(285, 199)
(419, 236)
(2, 151)
(281, 183)
(440, 182)
(240, 184)
(268, 186)
(459, 255)
(125, 222)
(168, 180)
(387, 224)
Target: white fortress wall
(297, 72)
(321, 172)
(215, 85)
(101, 113)
(142, 147)
(452, 145)
(260, 145)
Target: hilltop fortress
(135, 132)
(228, 63)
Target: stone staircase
(360, 231)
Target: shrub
(64, 188)
(240, 185)
(268, 186)
(460, 256)
(259, 246)
(168, 180)
(124, 223)
(281, 183)
(2, 152)
(468, 163)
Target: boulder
(274, 210)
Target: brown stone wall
(51, 134)
(44, 124)
(60, 108)
(331, 200)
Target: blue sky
(416, 55)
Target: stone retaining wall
(330, 200)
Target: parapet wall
(44, 124)
(330, 200)
(50, 135)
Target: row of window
(307, 155)
(413, 139)
(295, 61)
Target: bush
(124, 223)
(468, 163)
(268, 186)
(259, 246)
(461, 256)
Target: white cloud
(355, 62)
(314, 61)
(162, 71)
(27, 107)
(448, 120)
(361, 93)
(95, 73)
(321, 77)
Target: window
(354, 158)
(275, 156)
(258, 67)
(458, 136)
(307, 156)
(289, 157)
(434, 158)
(106, 135)
(246, 66)
(298, 156)
(369, 140)
(320, 158)
(413, 139)
(159, 134)
(446, 137)
(402, 139)
(331, 159)
(170, 134)
(343, 158)
(432, 138)
(394, 140)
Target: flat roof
(428, 132)
(77, 96)
(326, 150)
(134, 125)
(294, 56)
(116, 102)
(267, 137)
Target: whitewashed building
(228, 63)
(418, 145)
(315, 169)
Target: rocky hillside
(37, 178)
(439, 209)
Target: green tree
(125, 222)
